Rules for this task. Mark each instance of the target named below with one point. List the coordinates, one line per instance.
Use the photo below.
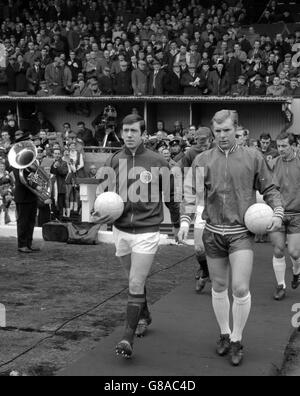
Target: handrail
(145, 99)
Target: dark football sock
(134, 309)
(203, 265)
(145, 314)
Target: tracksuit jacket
(227, 183)
(286, 174)
(149, 175)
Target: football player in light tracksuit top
(286, 175)
(228, 177)
(136, 232)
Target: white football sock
(279, 266)
(296, 266)
(241, 311)
(221, 305)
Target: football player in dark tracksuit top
(226, 178)
(141, 177)
(286, 174)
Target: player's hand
(48, 202)
(276, 224)
(97, 219)
(183, 235)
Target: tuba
(23, 156)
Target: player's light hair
(223, 115)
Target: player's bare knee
(219, 285)
(240, 291)
(136, 287)
(279, 251)
(294, 252)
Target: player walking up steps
(229, 176)
(287, 176)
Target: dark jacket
(22, 194)
(146, 214)
(34, 78)
(239, 90)
(261, 91)
(11, 78)
(21, 81)
(87, 137)
(172, 84)
(292, 92)
(234, 69)
(60, 173)
(186, 79)
(159, 83)
(218, 85)
(105, 85)
(123, 84)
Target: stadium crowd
(95, 48)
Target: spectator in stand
(257, 88)
(44, 91)
(53, 77)
(93, 89)
(85, 134)
(241, 88)
(191, 82)
(34, 76)
(140, 80)
(80, 87)
(44, 141)
(20, 73)
(11, 74)
(105, 82)
(172, 81)
(5, 142)
(177, 153)
(218, 81)
(167, 156)
(156, 80)
(233, 67)
(42, 124)
(75, 65)
(92, 172)
(276, 89)
(293, 89)
(60, 170)
(122, 81)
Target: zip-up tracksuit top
(147, 175)
(286, 174)
(227, 183)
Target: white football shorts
(135, 243)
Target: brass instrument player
(30, 187)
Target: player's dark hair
(286, 135)
(134, 118)
(265, 136)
